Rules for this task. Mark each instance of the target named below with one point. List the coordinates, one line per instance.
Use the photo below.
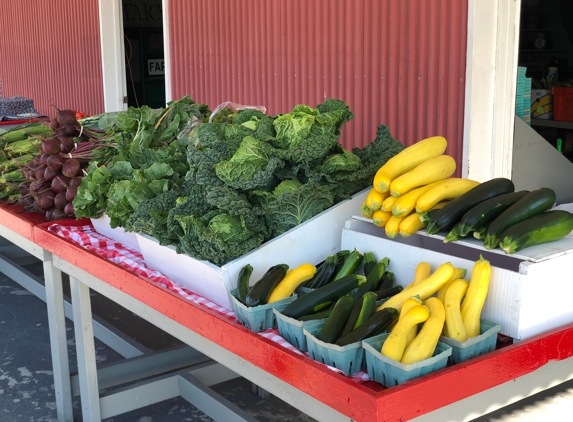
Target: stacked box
(523, 96)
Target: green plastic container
(474, 347)
(349, 359)
(390, 373)
(258, 318)
(292, 330)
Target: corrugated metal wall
(396, 62)
(50, 51)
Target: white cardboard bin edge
(102, 226)
(311, 241)
(526, 302)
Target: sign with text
(156, 67)
(142, 13)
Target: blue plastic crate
(349, 359)
(258, 318)
(292, 330)
(389, 373)
(474, 347)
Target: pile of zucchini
(499, 216)
(347, 297)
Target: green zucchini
(324, 273)
(243, 283)
(535, 202)
(342, 255)
(388, 292)
(366, 310)
(352, 317)
(368, 262)
(263, 288)
(317, 315)
(426, 217)
(331, 329)
(452, 212)
(386, 281)
(482, 214)
(371, 327)
(323, 296)
(373, 278)
(351, 264)
(541, 228)
(481, 233)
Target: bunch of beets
(56, 172)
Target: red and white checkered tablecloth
(132, 260)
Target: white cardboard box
(311, 241)
(530, 292)
(102, 226)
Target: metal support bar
(23, 277)
(181, 383)
(85, 350)
(209, 402)
(151, 364)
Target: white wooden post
(493, 42)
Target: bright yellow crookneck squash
(374, 199)
(458, 273)
(424, 344)
(407, 202)
(454, 325)
(395, 343)
(387, 204)
(409, 304)
(430, 171)
(380, 218)
(424, 290)
(407, 159)
(450, 189)
(291, 281)
(410, 225)
(422, 272)
(475, 297)
(392, 227)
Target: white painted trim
(112, 55)
(491, 73)
(166, 50)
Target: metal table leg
(89, 391)
(58, 342)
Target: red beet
(60, 183)
(66, 117)
(55, 163)
(69, 210)
(49, 174)
(43, 158)
(75, 182)
(60, 200)
(70, 167)
(51, 146)
(45, 199)
(71, 193)
(40, 171)
(54, 124)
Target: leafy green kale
(151, 216)
(292, 128)
(252, 166)
(248, 114)
(292, 203)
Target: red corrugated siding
(50, 52)
(401, 63)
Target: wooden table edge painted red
(19, 221)
(404, 402)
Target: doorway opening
(144, 52)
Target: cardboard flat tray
(528, 294)
(310, 242)
(369, 402)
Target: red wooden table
(475, 387)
